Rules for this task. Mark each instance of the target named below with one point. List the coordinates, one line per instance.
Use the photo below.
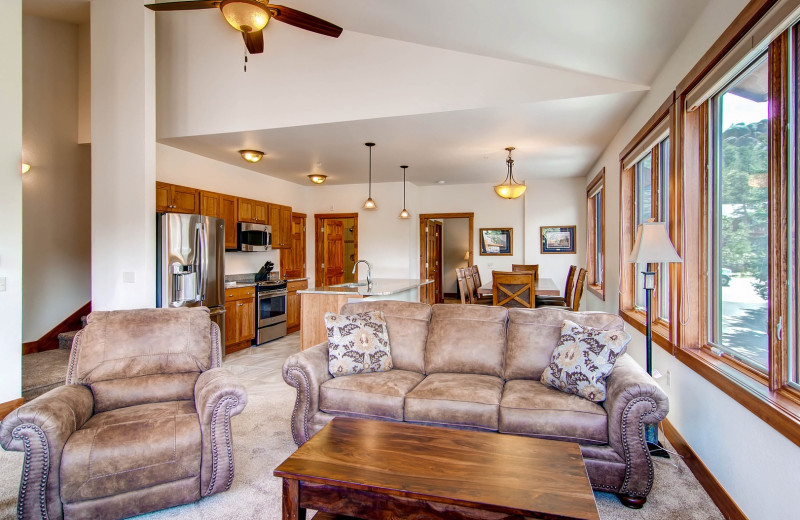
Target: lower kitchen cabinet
(293, 305)
(240, 318)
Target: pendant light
(510, 189)
(404, 214)
(369, 203)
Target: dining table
(542, 287)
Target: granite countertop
(380, 287)
(297, 279)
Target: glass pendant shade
(404, 214)
(369, 203)
(510, 189)
(245, 15)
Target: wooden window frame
(595, 274)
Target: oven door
(271, 307)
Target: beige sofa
(478, 367)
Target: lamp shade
(652, 245)
(245, 15)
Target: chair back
(568, 288)
(476, 282)
(143, 356)
(576, 298)
(513, 289)
(534, 268)
(472, 291)
(462, 285)
(477, 276)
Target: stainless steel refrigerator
(190, 270)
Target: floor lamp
(652, 246)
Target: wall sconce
(251, 156)
(25, 168)
(317, 178)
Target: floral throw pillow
(583, 359)
(357, 343)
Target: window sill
(660, 329)
(598, 291)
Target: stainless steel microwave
(253, 237)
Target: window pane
(644, 205)
(663, 210)
(740, 269)
(598, 238)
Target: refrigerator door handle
(201, 290)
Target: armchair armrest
(41, 428)
(633, 398)
(306, 371)
(218, 396)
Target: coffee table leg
(291, 500)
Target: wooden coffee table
(376, 469)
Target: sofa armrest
(218, 396)
(633, 399)
(41, 428)
(306, 371)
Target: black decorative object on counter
(263, 273)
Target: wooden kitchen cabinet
(176, 199)
(293, 305)
(293, 260)
(280, 218)
(224, 207)
(240, 318)
(252, 211)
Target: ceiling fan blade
(184, 6)
(304, 20)
(254, 42)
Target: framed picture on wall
(496, 241)
(557, 239)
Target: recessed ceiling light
(440, 182)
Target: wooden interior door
(334, 252)
(433, 260)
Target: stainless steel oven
(270, 310)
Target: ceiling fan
(251, 16)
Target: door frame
(319, 275)
(423, 224)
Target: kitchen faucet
(369, 271)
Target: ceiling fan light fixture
(369, 203)
(251, 156)
(404, 214)
(245, 15)
(317, 178)
(510, 189)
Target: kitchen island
(315, 302)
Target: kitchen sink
(351, 284)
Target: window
(595, 234)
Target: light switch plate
(2, 283)
(128, 277)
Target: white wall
(84, 84)
(56, 250)
(11, 200)
(455, 242)
(757, 466)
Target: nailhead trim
(642, 444)
(18, 434)
(73, 355)
(229, 402)
(295, 382)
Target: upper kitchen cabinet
(280, 218)
(176, 199)
(293, 260)
(224, 207)
(252, 211)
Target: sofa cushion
(357, 343)
(583, 358)
(534, 333)
(466, 339)
(130, 449)
(407, 323)
(533, 409)
(377, 394)
(468, 400)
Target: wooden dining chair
(513, 289)
(476, 282)
(576, 296)
(462, 285)
(470, 282)
(527, 267)
(560, 301)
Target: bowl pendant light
(369, 203)
(404, 214)
(510, 189)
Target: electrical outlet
(668, 378)
(490, 266)
(128, 277)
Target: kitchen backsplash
(242, 263)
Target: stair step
(65, 339)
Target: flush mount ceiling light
(510, 189)
(369, 203)
(251, 156)
(404, 214)
(317, 178)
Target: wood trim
(721, 498)
(50, 340)
(9, 406)
(636, 319)
(423, 218)
(595, 278)
(747, 18)
(655, 119)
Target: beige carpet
(262, 441)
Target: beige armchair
(143, 422)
